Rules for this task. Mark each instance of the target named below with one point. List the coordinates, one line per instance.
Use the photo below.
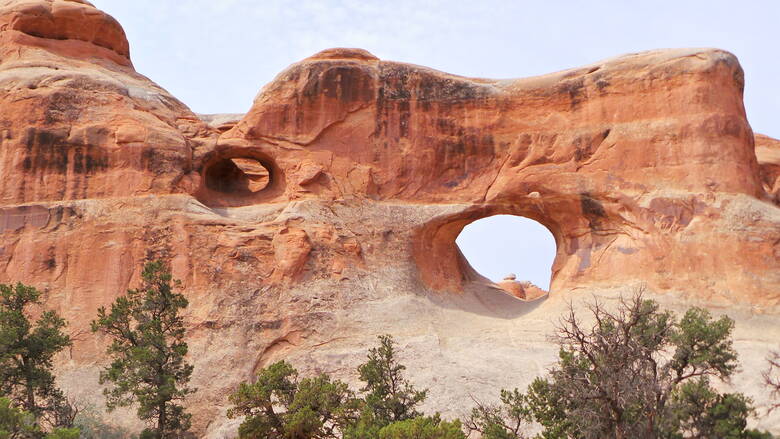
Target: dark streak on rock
(593, 211)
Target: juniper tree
(148, 352)
(638, 372)
(389, 395)
(279, 405)
(27, 350)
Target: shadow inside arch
(487, 299)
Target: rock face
(768, 154)
(328, 213)
(522, 290)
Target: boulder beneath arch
(643, 167)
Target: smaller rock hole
(238, 176)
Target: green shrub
(64, 433)
(16, 423)
(422, 427)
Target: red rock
(291, 249)
(512, 287)
(768, 154)
(308, 172)
(328, 213)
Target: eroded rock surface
(328, 213)
(768, 154)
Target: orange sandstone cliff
(328, 213)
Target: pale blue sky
(504, 244)
(215, 55)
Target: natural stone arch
(440, 261)
(643, 167)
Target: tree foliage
(16, 423)
(507, 420)
(635, 373)
(27, 350)
(64, 433)
(148, 351)
(389, 396)
(91, 424)
(422, 427)
(280, 405)
(698, 411)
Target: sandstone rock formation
(768, 154)
(522, 290)
(328, 213)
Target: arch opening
(238, 176)
(513, 252)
